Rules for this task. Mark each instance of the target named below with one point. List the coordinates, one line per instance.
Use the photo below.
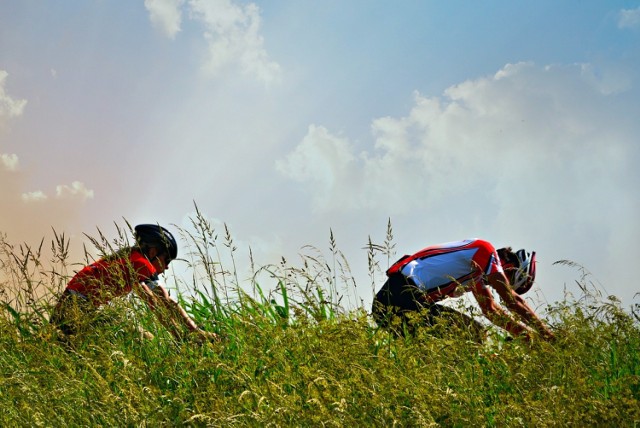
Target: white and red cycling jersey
(439, 270)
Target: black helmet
(156, 235)
(525, 274)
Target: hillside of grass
(290, 355)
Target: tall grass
(292, 355)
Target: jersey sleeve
(143, 269)
(487, 258)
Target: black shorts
(402, 293)
(400, 297)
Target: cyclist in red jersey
(418, 282)
(130, 269)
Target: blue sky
(511, 121)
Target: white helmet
(525, 273)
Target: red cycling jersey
(108, 278)
(438, 270)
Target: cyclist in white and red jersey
(418, 282)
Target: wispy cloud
(77, 189)
(9, 161)
(37, 196)
(629, 18)
(165, 15)
(232, 34)
(9, 107)
(27, 214)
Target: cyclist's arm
(516, 304)
(169, 312)
(496, 314)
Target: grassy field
(294, 357)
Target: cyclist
(417, 283)
(129, 269)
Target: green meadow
(290, 354)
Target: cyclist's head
(520, 268)
(155, 236)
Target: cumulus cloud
(629, 18)
(530, 154)
(9, 161)
(75, 190)
(165, 15)
(517, 123)
(9, 107)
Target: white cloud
(629, 18)
(233, 34)
(10, 162)
(519, 122)
(530, 155)
(322, 159)
(609, 81)
(37, 196)
(166, 15)
(8, 106)
(75, 190)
